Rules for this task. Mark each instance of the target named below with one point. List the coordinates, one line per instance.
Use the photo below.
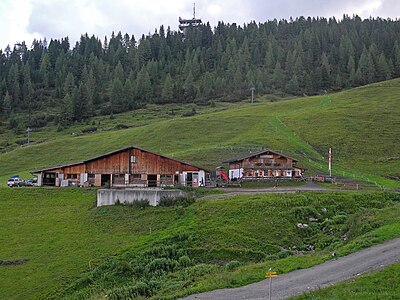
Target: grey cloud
(56, 19)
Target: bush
(162, 265)
(89, 129)
(121, 126)
(12, 123)
(181, 201)
(122, 267)
(21, 142)
(190, 113)
(184, 261)
(232, 265)
(140, 289)
(39, 121)
(284, 253)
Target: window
(135, 178)
(72, 176)
(166, 179)
(118, 178)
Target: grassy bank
(70, 249)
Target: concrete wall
(111, 196)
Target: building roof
(258, 153)
(111, 153)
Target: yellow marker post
(270, 275)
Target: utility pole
(252, 94)
(28, 130)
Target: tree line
(305, 56)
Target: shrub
(232, 265)
(21, 142)
(12, 123)
(190, 113)
(140, 289)
(121, 126)
(182, 201)
(89, 129)
(184, 261)
(39, 121)
(284, 253)
(162, 265)
(303, 213)
(122, 267)
(140, 203)
(168, 251)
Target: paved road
(328, 273)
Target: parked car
(15, 181)
(31, 182)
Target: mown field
(69, 249)
(361, 125)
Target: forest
(302, 56)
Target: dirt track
(310, 186)
(328, 273)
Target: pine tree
(45, 71)
(117, 96)
(278, 77)
(382, 68)
(168, 89)
(189, 88)
(292, 86)
(325, 72)
(69, 84)
(143, 86)
(7, 104)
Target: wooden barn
(127, 167)
(266, 164)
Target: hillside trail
(317, 277)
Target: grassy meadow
(71, 249)
(361, 125)
(56, 244)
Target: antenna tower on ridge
(184, 24)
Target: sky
(25, 20)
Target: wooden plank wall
(119, 163)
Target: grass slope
(60, 234)
(173, 251)
(361, 125)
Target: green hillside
(56, 244)
(361, 125)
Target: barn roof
(259, 153)
(111, 153)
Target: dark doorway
(189, 179)
(176, 179)
(105, 179)
(49, 179)
(151, 180)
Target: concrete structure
(127, 196)
(127, 167)
(265, 164)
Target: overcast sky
(24, 20)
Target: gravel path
(229, 192)
(319, 276)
